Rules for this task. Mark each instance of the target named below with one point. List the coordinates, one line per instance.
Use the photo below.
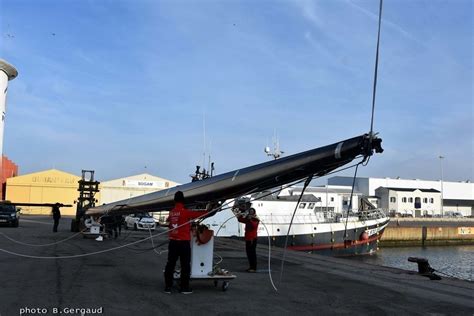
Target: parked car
(161, 217)
(9, 214)
(452, 214)
(142, 221)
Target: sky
(130, 86)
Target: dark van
(9, 215)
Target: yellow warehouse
(49, 186)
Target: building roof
(411, 189)
(463, 190)
(8, 69)
(141, 176)
(324, 189)
(348, 178)
(51, 177)
(455, 202)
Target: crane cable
(371, 134)
(374, 90)
(306, 183)
(349, 209)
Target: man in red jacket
(251, 225)
(179, 243)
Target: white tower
(7, 73)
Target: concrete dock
(130, 280)
(428, 231)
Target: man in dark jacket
(56, 216)
(251, 222)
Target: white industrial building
(413, 202)
(125, 188)
(332, 198)
(455, 196)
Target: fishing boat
(313, 228)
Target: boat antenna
(204, 138)
(374, 90)
(275, 152)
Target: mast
(256, 178)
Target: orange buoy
(203, 236)
(364, 236)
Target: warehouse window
(410, 200)
(404, 200)
(425, 200)
(431, 200)
(302, 205)
(311, 206)
(393, 199)
(332, 199)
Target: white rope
(221, 259)
(96, 252)
(39, 245)
(269, 249)
(159, 253)
(269, 258)
(80, 255)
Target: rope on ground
(153, 245)
(79, 255)
(40, 245)
(269, 249)
(220, 260)
(269, 258)
(94, 252)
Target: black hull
(331, 243)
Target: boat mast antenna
(201, 174)
(374, 90)
(276, 152)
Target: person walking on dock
(251, 222)
(179, 243)
(56, 216)
(118, 225)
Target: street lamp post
(441, 167)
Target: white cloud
(309, 11)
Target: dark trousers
(251, 249)
(181, 249)
(56, 223)
(115, 229)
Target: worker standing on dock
(180, 243)
(251, 222)
(56, 216)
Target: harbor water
(455, 261)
